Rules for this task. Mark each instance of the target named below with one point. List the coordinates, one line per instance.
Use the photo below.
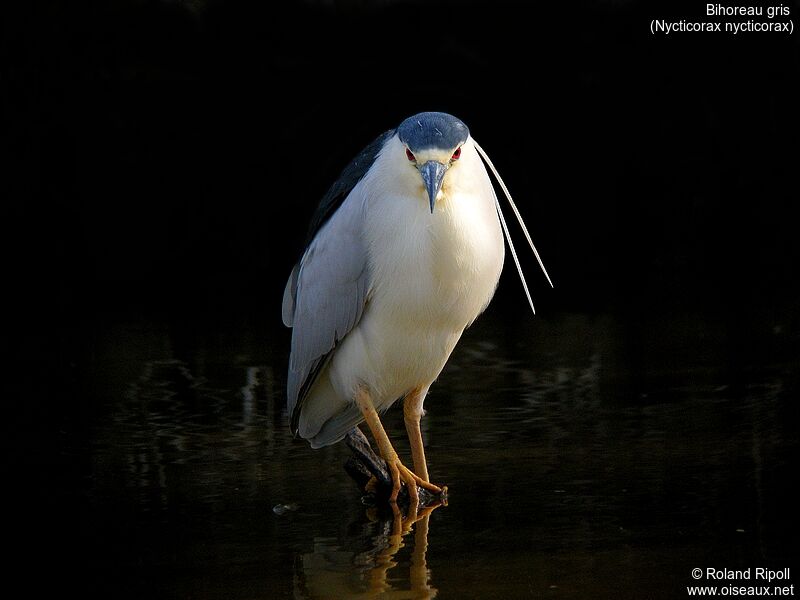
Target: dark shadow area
(161, 160)
(160, 155)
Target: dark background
(167, 153)
(163, 158)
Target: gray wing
(327, 289)
(325, 297)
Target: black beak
(432, 175)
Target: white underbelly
(390, 357)
(432, 282)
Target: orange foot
(402, 474)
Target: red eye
(456, 154)
(410, 155)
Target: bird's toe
(413, 482)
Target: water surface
(586, 457)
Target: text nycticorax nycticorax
(404, 252)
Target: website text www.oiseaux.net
(746, 582)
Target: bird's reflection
(375, 567)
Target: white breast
(434, 274)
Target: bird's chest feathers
(436, 268)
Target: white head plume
(488, 161)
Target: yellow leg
(412, 413)
(399, 472)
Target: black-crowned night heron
(404, 252)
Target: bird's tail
(326, 417)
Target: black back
(352, 174)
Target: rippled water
(586, 457)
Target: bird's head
(432, 142)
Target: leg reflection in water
(338, 569)
(371, 564)
(384, 558)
